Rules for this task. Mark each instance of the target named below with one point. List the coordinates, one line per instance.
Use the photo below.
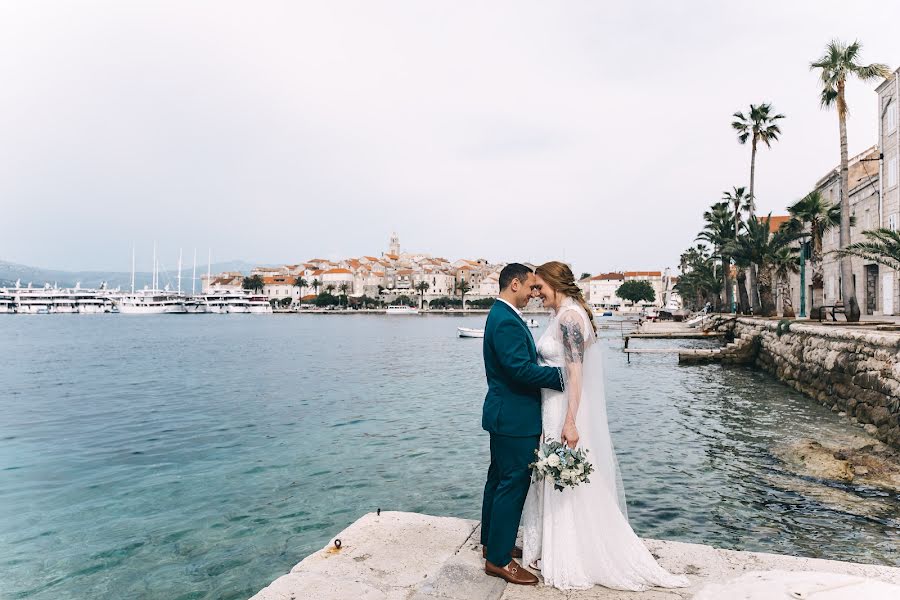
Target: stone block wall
(857, 372)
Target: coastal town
(418, 279)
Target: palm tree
(344, 288)
(300, 283)
(422, 287)
(254, 283)
(819, 215)
(463, 288)
(699, 281)
(329, 288)
(740, 201)
(839, 61)
(784, 262)
(717, 232)
(881, 246)
(758, 125)
(315, 284)
(760, 246)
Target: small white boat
(399, 309)
(532, 323)
(467, 332)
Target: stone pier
(851, 369)
(409, 556)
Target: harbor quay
(410, 556)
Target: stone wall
(856, 372)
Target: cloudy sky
(273, 132)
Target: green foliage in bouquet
(565, 466)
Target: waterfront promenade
(410, 556)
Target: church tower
(394, 247)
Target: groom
(512, 415)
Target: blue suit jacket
(512, 405)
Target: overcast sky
(593, 132)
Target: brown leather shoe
(515, 553)
(511, 573)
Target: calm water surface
(202, 456)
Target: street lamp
(803, 244)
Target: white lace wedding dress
(581, 536)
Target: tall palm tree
(422, 287)
(344, 288)
(837, 63)
(760, 246)
(717, 232)
(300, 283)
(463, 288)
(329, 288)
(739, 200)
(814, 212)
(758, 125)
(881, 246)
(315, 284)
(784, 262)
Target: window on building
(892, 222)
(892, 117)
(892, 170)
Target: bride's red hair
(562, 280)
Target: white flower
(553, 460)
(580, 468)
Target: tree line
(763, 257)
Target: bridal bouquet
(567, 467)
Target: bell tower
(394, 247)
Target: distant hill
(10, 272)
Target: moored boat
(468, 332)
(400, 309)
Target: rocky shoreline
(853, 371)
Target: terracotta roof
(392, 256)
(608, 276)
(404, 272)
(643, 273)
(318, 272)
(776, 221)
(378, 273)
(279, 280)
(336, 272)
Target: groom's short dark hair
(513, 271)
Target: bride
(580, 537)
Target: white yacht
(399, 309)
(33, 301)
(91, 302)
(7, 303)
(63, 302)
(150, 302)
(237, 303)
(259, 305)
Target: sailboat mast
(132, 267)
(179, 270)
(208, 270)
(194, 275)
(153, 276)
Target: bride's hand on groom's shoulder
(570, 434)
